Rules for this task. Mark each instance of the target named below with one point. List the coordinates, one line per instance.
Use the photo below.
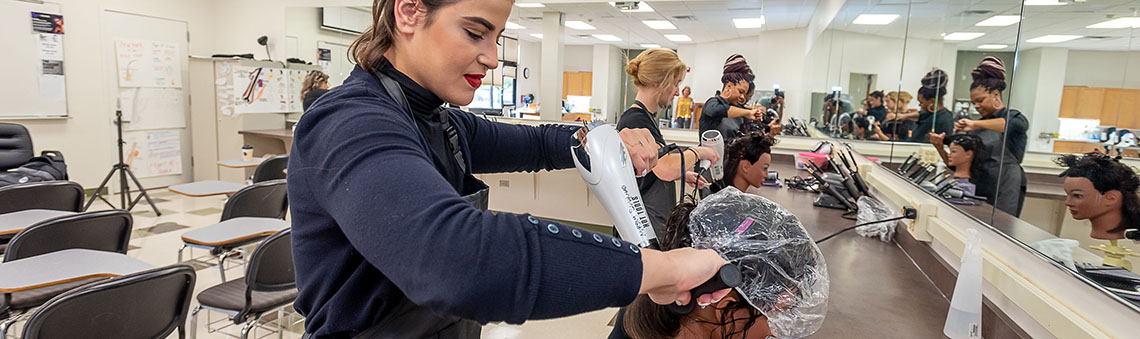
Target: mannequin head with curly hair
(1103, 191)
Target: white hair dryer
(713, 139)
(606, 168)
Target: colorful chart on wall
(153, 107)
(154, 153)
(267, 89)
(144, 63)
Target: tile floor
(156, 240)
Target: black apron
(408, 320)
(658, 195)
(1006, 195)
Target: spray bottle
(965, 317)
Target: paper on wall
(49, 46)
(154, 153)
(153, 107)
(148, 63)
(52, 88)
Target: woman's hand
(707, 153)
(695, 180)
(774, 128)
(965, 125)
(667, 277)
(642, 149)
(758, 113)
(936, 139)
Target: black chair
(48, 195)
(268, 285)
(261, 200)
(271, 169)
(102, 231)
(15, 146)
(148, 304)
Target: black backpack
(48, 167)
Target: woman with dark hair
(722, 112)
(933, 116)
(1103, 191)
(875, 106)
(965, 157)
(315, 85)
(1003, 131)
(391, 236)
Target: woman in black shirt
(1003, 180)
(316, 84)
(656, 72)
(720, 112)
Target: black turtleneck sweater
(376, 223)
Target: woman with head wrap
(933, 116)
(998, 126)
(720, 112)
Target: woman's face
(733, 91)
(1083, 200)
(960, 156)
(890, 104)
(668, 92)
(875, 102)
(755, 173)
(686, 92)
(986, 102)
(926, 104)
(450, 55)
(324, 85)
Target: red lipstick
(474, 79)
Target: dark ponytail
(1107, 174)
(368, 49)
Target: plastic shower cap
(785, 276)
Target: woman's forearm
(669, 167)
(736, 112)
(996, 125)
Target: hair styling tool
(714, 140)
(727, 277)
(830, 190)
(906, 164)
(854, 169)
(847, 181)
(606, 168)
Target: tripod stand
(124, 170)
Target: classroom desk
(206, 188)
(234, 230)
(876, 290)
(12, 223)
(65, 266)
(241, 163)
(275, 141)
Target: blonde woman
(316, 84)
(656, 72)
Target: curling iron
(830, 190)
(847, 181)
(606, 168)
(852, 168)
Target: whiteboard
(27, 92)
(144, 63)
(155, 113)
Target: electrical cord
(853, 227)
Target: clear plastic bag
(872, 210)
(784, 273)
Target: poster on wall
(266, 89)
(47, 23)
(324, 58)
(153, 107)
(154, 153)
(148, 63)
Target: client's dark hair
(751, 146)
(989, 75)
(645, 319)
(877, 95)
(1107, 174)
(972, 143)
(865, 124)
(934, 85)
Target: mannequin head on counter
(747, 159)
(1103, 191)
(965, 155)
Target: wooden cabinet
(1090, 103)
(1129, 113)
(1111, 107)
(1074, 147)
(1118, 107)
(577, 83)
(1069, 102)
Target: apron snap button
(552, 228)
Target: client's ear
(1113, 198)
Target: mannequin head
(966, 150)
(1102, 190)
(747, 159)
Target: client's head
(966, 150)
(747, 159)
(784, 287)
(862, 127)
(1098, 186)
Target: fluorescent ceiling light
(606, 37)
(992, 46)
(579, 25)
(641, 7)
(1044, 3)
(511, 25)
(651, 45)
(1053, 38)
(678, 37)
(748, 22)
(536, 35)
(875, 19)
(659, 24)
(531, 5)
(962, 36)
(999, 21)
(1128, 22)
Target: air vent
(977, 12)
(583, 36)
(627, 5)
(684, 18)
(1098, 38)
(532, 18)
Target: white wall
(608, 67)
(1103, 69)
(304, 24)
(530, 57)
(1036, 92)
(578, 58)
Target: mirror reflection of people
(875, 107)
(1103, 191)
(898, 126)
(997, 122)
(775, 103)
(315, 85)
(391, 233)
(866, 130)
(833, 107)
(685, 108)
(656, 72)
(964, 158)
(721, 112)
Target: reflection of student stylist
(656, 73)
(997, 122)
(933, 117)
(720, 112)
(315, 85)
(391, 236)
(875, 106)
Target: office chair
(48, 195)
(271, 169)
